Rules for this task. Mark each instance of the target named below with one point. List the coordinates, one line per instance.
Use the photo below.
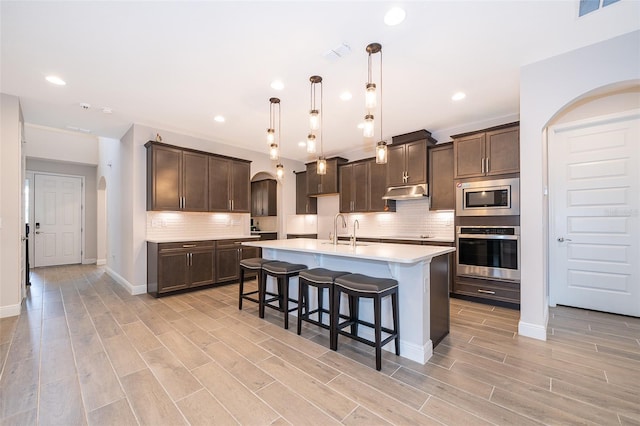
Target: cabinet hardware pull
(486, 291)
(189, 245)
(482, 166)
(186, 256)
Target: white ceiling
(174, 65)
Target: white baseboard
(408, 350)
(132, 289)
(535, 331)
(9, 311)
(88, 261)
(101, 262)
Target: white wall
(546, 88)
(55, 144)
(11, 195)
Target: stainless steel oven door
(489, 256)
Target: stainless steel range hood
(408, 192)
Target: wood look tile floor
(84, 351)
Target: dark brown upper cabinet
(176, 179)
(407, 158)
(441, 186)
(324, 184)
(181, 179)
(264, 198)
(490, 152)
(229, 185)
(304, 203)
(362, 185)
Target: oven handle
(489, 237)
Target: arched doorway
(593, 151)
(266, 217)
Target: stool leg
(334, 319)
(353, 313)
(396, 320)
(285, 297)
(302, 292)
(378, 330)
(320, 293)
(262, 290)
(241, 288)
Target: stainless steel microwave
(500, 197)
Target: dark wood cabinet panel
(407, 163)
(172, 271)
(503, 151)
(304, 203)
(354, 187)
(263, 198)
(441, 186)
(395, 165)
(229, 183)
(227, 261)
(378, 187)
(164, 178)
(501, 291)
(201, 267)
(195, 182)
(489, 152)
(327, 183)
(179, 266)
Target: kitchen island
(422, 273)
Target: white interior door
(57, 220)
(594, 254)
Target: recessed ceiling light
(458, 96)
(55, 80)
(346, 96)
(394, 16)
(277, 85)
(219, 118)
(107, 110)
(302, 144)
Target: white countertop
(203, 238)
(399, 253)
(404, 237)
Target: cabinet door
(227, 264)
(256, 198)
(441, 186)
(395, 165)
(329, 181)
(360, 187)
(172, 270)
(165, 167)
(416, 162)
(304, 204)
(378, 187)
(219, 184)
(241, 186)
(195, 182)
(271, 198)
(469, 154)
(201, 268)
(313, 180)
(503, 151)
(346, 188)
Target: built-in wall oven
(499, 197)
(489, 252)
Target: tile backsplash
(196, 225)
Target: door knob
(562, 240)
(37, 232)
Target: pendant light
(311, 143)
(275, 118)
(315, 123)
(371, 102)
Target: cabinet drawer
(237, 243)
(508, 292)
(185, 245)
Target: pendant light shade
(371, 103)
(311, 143)
(274, 153)
(381, 152)
(271, 136)
(279, 171)
(314, 119)
(321, 166)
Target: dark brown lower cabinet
(178, 266)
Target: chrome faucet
(335, 227)
(356, 224)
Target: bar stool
(281, 271)
(358, 286)
(321, 279)
(253, 264)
